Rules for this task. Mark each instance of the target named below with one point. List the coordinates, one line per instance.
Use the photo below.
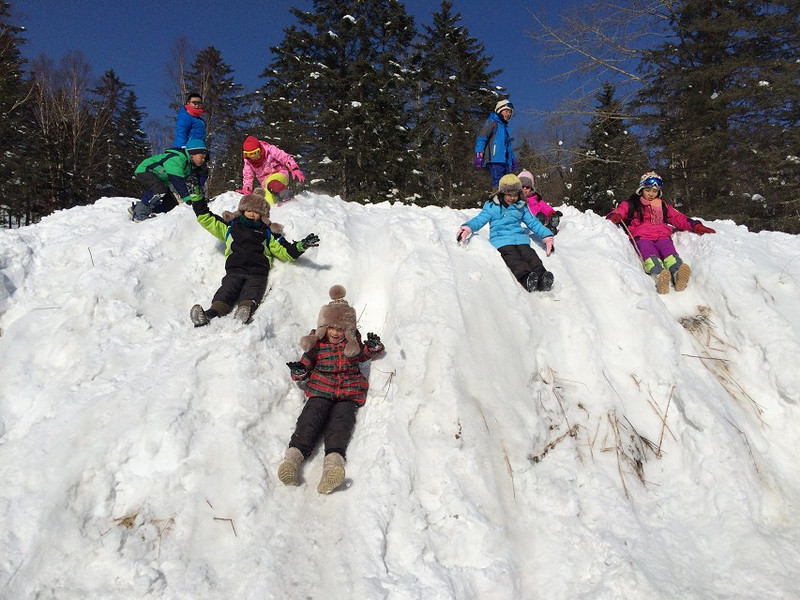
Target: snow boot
(662, 281)
(681, 277)
(243, 311)
(198, 316)
(546, 281)
(332, 473)
(532, 281)
(289, 469)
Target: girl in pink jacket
(650, 222)
(262, 160)
(547, 215)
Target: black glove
(297, 369)
(310, 241)
(373, 341)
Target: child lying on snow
(336, 388)
(251, 242)
(505, 213)
(650, 221)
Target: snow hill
(598, 441)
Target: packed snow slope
(597, 441)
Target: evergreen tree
(15, 93)
(337, 96)
(454, 90)
(124, 142)
(723, 106)
(610, 159)
(213, 79)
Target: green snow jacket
(172, 167)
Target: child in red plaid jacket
(335, 387)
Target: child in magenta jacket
(261, 161)
(650, 221)
(547, 215)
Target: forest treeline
(375, 107)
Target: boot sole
(242, 314)
(682, 277)
(662, 282)
(331, 480)
(288, 474)
(198, 316)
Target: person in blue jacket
(493, 149)
(190, 124)
(505, 213)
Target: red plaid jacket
(333, 375)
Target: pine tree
(455, 86)
(611, 158)
(15, 94)
(124, 142)
(723, 106)
(337, 96)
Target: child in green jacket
(251, 242)
(164, 176)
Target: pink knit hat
(526, 177)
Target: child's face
(335, 335)
(253, 216)
(509, 199)
(650, 193)
(198, 158)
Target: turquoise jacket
(505, 223)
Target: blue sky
(136, 39)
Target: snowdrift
(594, 441)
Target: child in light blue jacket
(505, 213)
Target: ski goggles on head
(652, 182)
(252, 153)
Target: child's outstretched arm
(209, 221)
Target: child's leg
(653, 265)
(521, 261)
(310, 424)
(497, 170)
(155, 191)
(341, 422)
(250, 296)
(228, 292)
(679, 270)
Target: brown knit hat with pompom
(337, 313)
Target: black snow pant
(237, 288)
(332, 419)
(155, 187)
(522, 260)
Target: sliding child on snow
(547, 215)
(335, 387)
(251, 242)
(505, 213)
(650, 221)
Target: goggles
(652, 182)
(252, 153)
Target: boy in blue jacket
(493, 149)
(505, 213)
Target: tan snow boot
(662, 281)
(332, 473)
(290, 467)
(682, 277)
